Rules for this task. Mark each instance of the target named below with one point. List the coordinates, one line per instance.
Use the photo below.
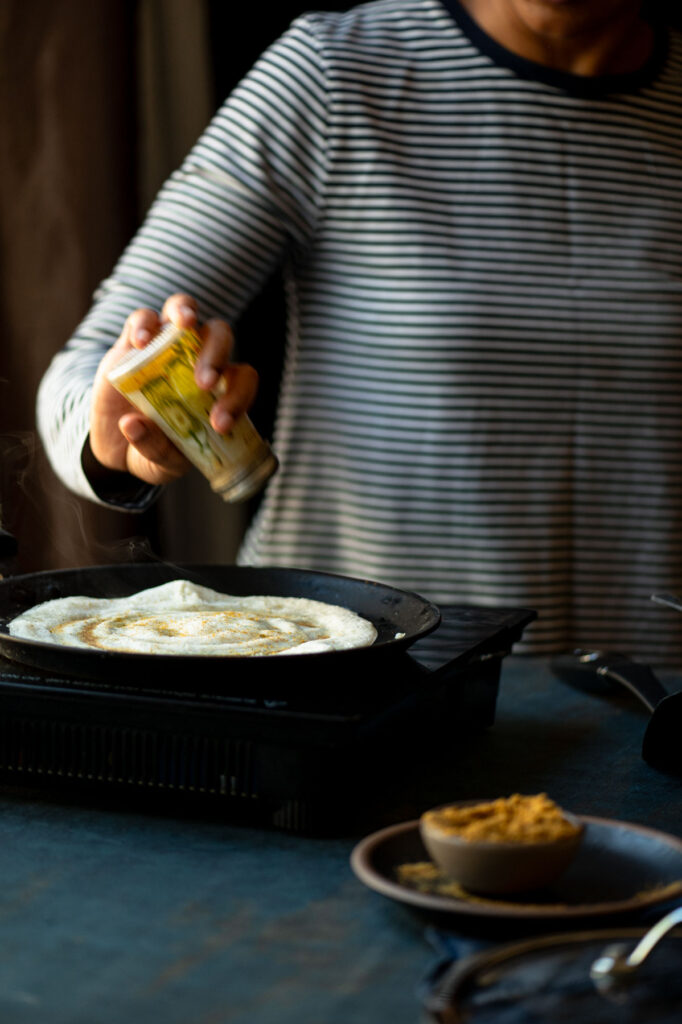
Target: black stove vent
(88, 752)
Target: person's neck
(619, 45)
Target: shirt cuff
(120, 490)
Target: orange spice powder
(513, 819)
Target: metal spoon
(670, 599)
(613, 968)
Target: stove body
(303, 765)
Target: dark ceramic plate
(620, 868)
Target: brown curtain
(67, 206)
(94, 116)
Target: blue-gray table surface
(112, 913)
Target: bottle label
(161, 384)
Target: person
(476, 208)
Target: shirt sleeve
(246, 199)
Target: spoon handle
(670, 599)
(635, 677)
(654, 936)
(613, 969)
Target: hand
(121, 437)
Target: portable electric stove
(287, 762)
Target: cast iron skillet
(394, 612)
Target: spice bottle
(159, 381)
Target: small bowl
(498, 868)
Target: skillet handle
(577, 668)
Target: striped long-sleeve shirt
(481, 392)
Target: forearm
(222, 276)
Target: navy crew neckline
(576, 85)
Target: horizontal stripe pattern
(481, 388)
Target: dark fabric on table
(554, 984)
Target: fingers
(122, 438)
(214, 359)
(237, 397)
(213, 362)
(181, 310)
(139, 329)
(235, 384)
(150, 455)
(141, 326)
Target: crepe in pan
(182, 618)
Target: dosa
(183, 618)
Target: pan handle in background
(587, 669)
